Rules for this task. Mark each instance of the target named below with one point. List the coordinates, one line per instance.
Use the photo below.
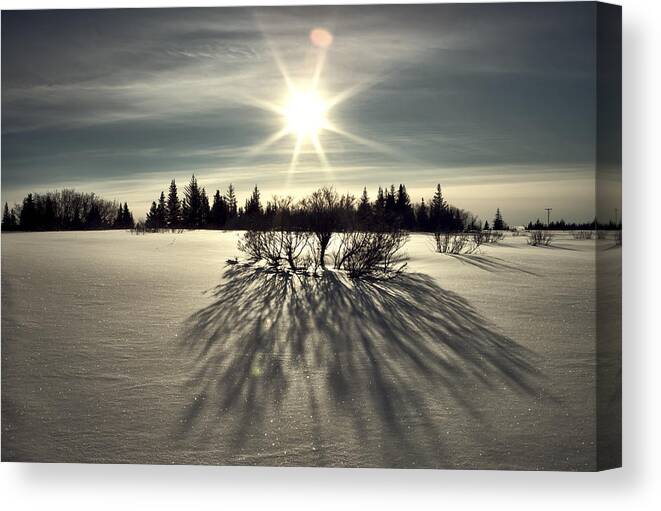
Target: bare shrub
(582, 235)
(457, 243)
(370, 254)
(618, 238)
(326, 212)
(262, 245)
(602, 235)
(540, 238)
(479, 238)
(294, 245)
(496, 236)
(276, 247)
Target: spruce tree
(28, 217)
(404, 208)
(192, 205)
(127, 218)
(438, 211)
(253, 206)
(230, 200)
(173, 215)
(422, 216)
(498, 222)
(119, 218)
(364, 207)
(205, 210)
(219, 210)
(152, 217)
(161, 212)
(8, 219)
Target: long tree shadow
(376, 356)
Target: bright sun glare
(305, 114)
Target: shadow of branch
(373, 351)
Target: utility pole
(616, 217)
(548, 216)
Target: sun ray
(319, 149)
(268, 142)
(363, 141)
(294, 158)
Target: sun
(305, 114)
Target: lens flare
(321, 38)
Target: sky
(494, 102)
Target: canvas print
(319, 236)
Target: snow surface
(149, 349)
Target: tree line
(66, 209)
(561, 225)
(392, 208)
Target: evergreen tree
(230, 200)
(152, 217)
(422, 216)
(486, 225)
(119, 218)
(498, 222)
(404, 209)
(253, 206)
(380, 203)
(127, 218)
(192, 205)
(364, 207)
(28, 219)
(8, 219)
(161, 212)
(438, 211)
(219, 210)
(205, 210)
(173, 207)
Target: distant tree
(93, 219)
(253, 207)
(161, 212)
(9, 222)
(205, 210)
(364, 208)
(230, 200)
(28, 219)
(486, 225)
(498, 222)
(438, 211)
(173, 207)
(404, 209)
(152, 217)
(127, 217)
(119, 218)
(422, 216)
(219, 211)
(390, 206)
(380, 204)
(192, 205)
